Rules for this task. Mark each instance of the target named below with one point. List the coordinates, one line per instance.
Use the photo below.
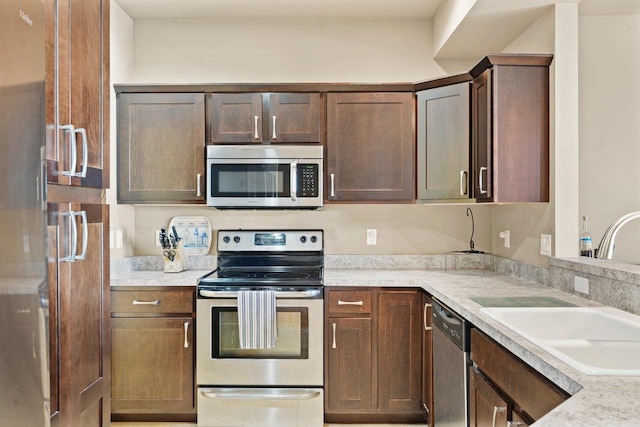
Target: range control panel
(270, 240)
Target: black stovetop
(260, 276)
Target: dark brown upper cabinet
(370, 147)
(77, 93)
(161, 148)
(510, 128)
(443, 128)
(263, 118)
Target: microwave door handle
(294, 180)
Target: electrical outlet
(581, 284)
(545, 244)
(372, 236)
(157, 234)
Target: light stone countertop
(157, 278)
(595, 401)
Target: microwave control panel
(308, 180)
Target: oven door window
(292, 342)
(267, 180)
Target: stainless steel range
(260, 331)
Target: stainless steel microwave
(264, 176)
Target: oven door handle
(309, 293)
(260, 394)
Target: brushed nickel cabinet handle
(73, 252)
(186, 334)
(340, 302)
(496, 411)
(333, 345)
(73, 237)
(332, 177)
(255, 127)
(85, 153)
(85, 235)
(34, 346)
(482, 189)
(198, 189)
(424, 317)
(73, 150)
(463, 183)
(274, 136)
(138, 302)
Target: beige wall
(402, 229)
(283, 50)
(610, 127)
(121, 217)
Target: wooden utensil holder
(179, 263)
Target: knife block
(179, 263)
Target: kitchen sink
(593, 340)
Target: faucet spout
(605, 250)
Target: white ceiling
(418, 9)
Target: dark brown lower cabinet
(350, 376)
(152, 355)
(504, 388)
(373, 355)
(487, 407)
(426, 401)
(78, 268)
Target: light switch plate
(545, 244)
(119, 239)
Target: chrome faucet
(605, 250)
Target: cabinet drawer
(533, 393)
(158, 301)
(350, 301)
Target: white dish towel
(257, 319)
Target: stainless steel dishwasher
(450, 367)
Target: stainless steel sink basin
(593, 340)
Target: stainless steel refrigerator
(24, 341)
